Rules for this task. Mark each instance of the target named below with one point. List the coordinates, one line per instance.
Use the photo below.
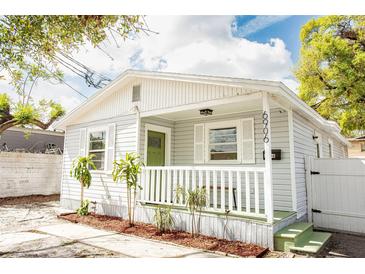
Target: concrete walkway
(33, 230)
(126, 245)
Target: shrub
(84, 209)
(163, 218)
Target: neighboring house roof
(274, 87)
(357, 139)
(38, 131)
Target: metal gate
(336, 193)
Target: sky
(254, 47)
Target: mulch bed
(149, 231)
(29, 199)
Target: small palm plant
(195, 201)
(127, 170)
(80, 171)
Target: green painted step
(313, 244)
(299, 237)
(289, 236)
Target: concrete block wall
(23, 174)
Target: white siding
(304, 145)
(183, 147)
(102, 188)
(157, 94)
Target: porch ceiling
(220, 109)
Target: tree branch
(8, 124)
(42, 125)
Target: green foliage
(80, 169)
(31, 45)
(84, 209)
(163, 218)
(4, 102)
(56, 110)
(195, 201)
(331, 69)
(24, 114)
(127, 171)
(27, 113)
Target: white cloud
(259, 23)
(186, 44)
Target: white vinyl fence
(24, 174)
(336, 193)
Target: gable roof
(271, 86)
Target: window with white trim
(330, 148)
(97, 146)
(318, 142)
(223, 144)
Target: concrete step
(312, 244)
(299, 237)
(292, 234)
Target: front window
(223, 143)
(362, 147)
(97, 147)
(330, 150)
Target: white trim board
(292, 160)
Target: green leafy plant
(40, 47)
(41, 115)
(163, 218)
(84, 209)
(127, 170)
(331, 69)
(195, 201)
(80, 171)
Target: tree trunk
(129, 206)
(134, 203)
(82, 195)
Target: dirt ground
(150, 231)
(343, 245)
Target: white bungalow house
(244, 141)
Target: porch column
(266, 119)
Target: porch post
(268, 191)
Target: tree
(331, 69)
(127, 170)
(37, 47)
(80, 171)
(28, 114)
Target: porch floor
(279, 215)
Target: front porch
(227, 155)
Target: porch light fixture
(315, 137)
(206, 112)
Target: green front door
(155, 148)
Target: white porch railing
(239, 190)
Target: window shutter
(83, 142)
(111, 146)
(199, 143)
(248, 141)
